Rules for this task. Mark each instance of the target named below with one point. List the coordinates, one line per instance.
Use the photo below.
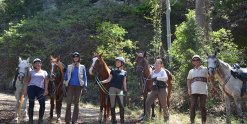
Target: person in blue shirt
(75, 79)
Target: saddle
(241, 74)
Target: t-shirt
(161, 76)
(198, 87)
(117, 78)
(37, 78)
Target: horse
(230, 86)
(20, 85)
(102, 72)
(143, 70)
(55, 86)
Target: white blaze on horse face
(94, 60)
(52, 67)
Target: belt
(202, 79)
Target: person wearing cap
(197, 88)
(37, 88)
(75, 79)
(159, 78)
(118, 83)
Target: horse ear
(51, 57)
(28, 59)
(207, 53)
(20, 59)
(100, 55)
(215, 52)
(137, 54)
(145, 54)
(58, 58)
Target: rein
(102, 87)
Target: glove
(154, 79)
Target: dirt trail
(88, 113)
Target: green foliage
(112, 43)
(189, 41)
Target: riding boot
(122, 115)
(30, 115)
(41, 114)
(113, 116)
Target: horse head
(212, 64)
(141, 63)
(54, 67)
(23, 68)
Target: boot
(30, 115)
(122, 115)
(113, 116)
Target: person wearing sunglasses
(75, 79)
(197, 88)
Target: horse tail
(169, 83)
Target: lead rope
(104, 89)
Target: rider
(37, 88)
(159, 78)
(75, 79)
(197, 88)
(118, 83)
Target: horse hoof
(58, 120)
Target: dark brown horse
(55, 86)
(143, 70)
(101, 71)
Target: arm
(85, 76)
(91, 70)
(189, 81)
(108, 79)
(125, 84)
(46, 85)
(163, 76)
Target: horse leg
(16, 108)
(52, 107)
(153, 106)
(58, 108)
(100, 114)
(237, 101)
(23, 111)
(228, 108)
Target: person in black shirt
(117, 81)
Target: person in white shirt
(159, 78)
(197, 88)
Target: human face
(118, 63)
(196, 61)
(37, 65)
(76, 59)
(158, 64)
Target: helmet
(76, 54)
(196, 56)
(36, 60)
(120, 59)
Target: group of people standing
(75, 80)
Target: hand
(85, 90)
(46, 92)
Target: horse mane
(60, 65)
(106, 67)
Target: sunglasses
(196, 60)
(75, 56)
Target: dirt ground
(88, 113)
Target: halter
(23, 74)
(218, 69)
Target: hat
(196, 56)
(36, 60)
(120, 59)
(76, 54)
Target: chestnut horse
(101, 71)
(143, 70)
(55, 86)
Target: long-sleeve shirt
(74, 80)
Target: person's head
(76, 57)
(158, 64)
(120, 61)
(37, 63)
(196, 60)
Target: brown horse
(101, 71)
(55, 86)
(143, 70)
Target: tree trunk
(200, 13)
(168, 27)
